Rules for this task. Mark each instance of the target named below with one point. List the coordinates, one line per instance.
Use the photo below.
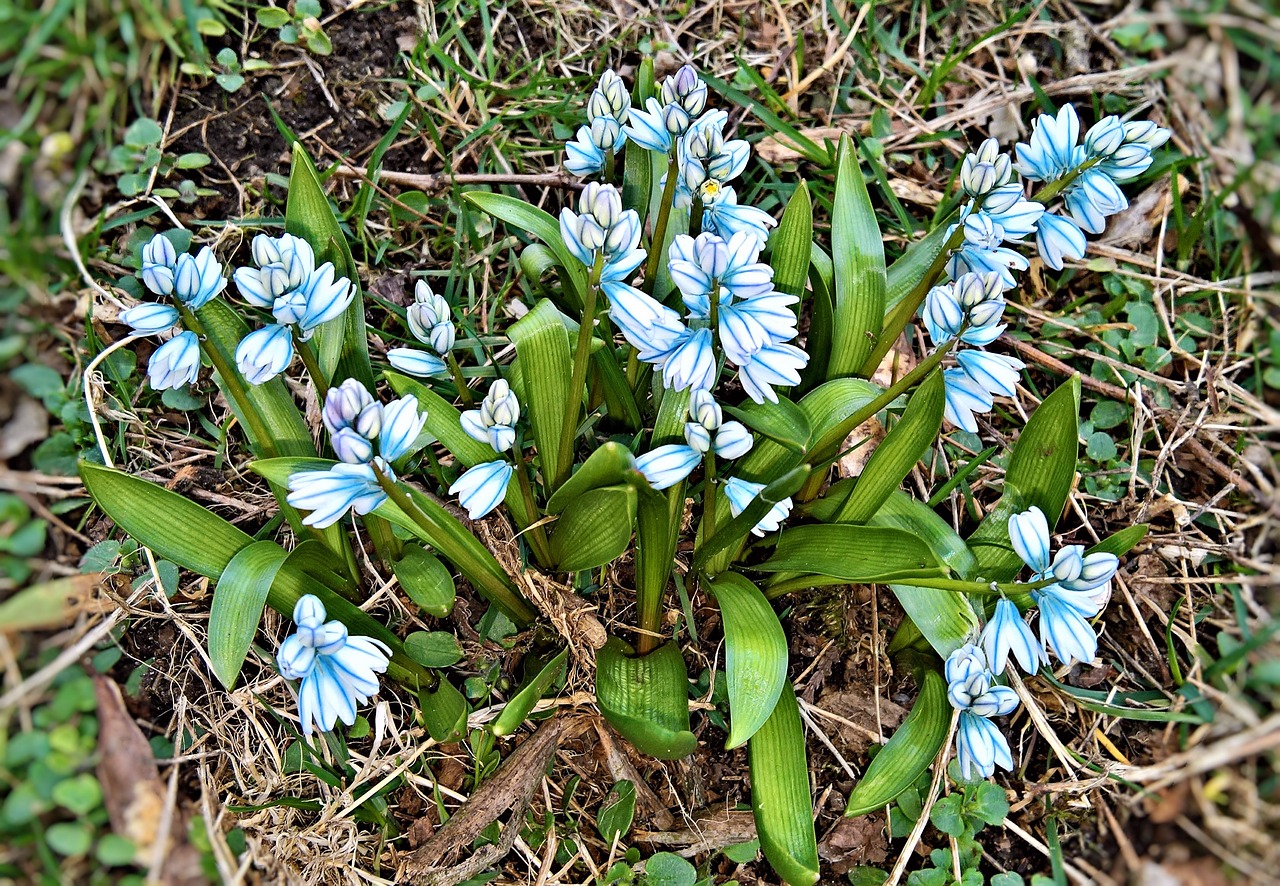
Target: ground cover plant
(637, 471)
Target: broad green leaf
(852, 553)
(174, 527)
(714, 554)
(783, 422)
(857, 251)
(609, 465)
(646, 698)
(908, 752)
(791, 242)
(755, 654)
(594, 528)
(821, 317)
(444, 710)
(1041, 471)
(605, 370)
(238, 601)
(343, 343)
(539, 224)
(542, 347)
(780, 797)
(658, 519)
(897, 454)
(830, 406)
(901, 511)
(279, 470)
(617, 812)
(1121, 542)
(518, 708)
(907, 272)
(433, 649)
(426, 581)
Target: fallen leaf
(53, 604)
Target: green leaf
(609, 465)
(539, 224)
(444, 711)
(542, 347)
(426, 580)
(791, 242)
(343, 343)
(714, 553)
(992, 806)
(1041, 471)
(646, 698)
(669, 869)
(783, 422)
(898, 453)
(174, 527)
(594, 529)
(883, 553)
(947, 815)
(858, 253)
(272, 17)
(780, 793)
(830, 407)
(821, 317)
(1122, 542)
(238, 601)
(520, 705)
(617, 812)
(755, 654)
(69, 839)
(909, 269)
(908, 752)
(433, 649)
(80, 793)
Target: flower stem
(312, 363)
(233, 384)
(537, 534)
(579, 377)
(695, 217)
(710, 488)
(660, 227)
(464, 393)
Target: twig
(939, 771)
(441, 181)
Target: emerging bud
(1146, 134)
(1104, 137)
(295, 658)
(704, 409)
(686, 89)
(351, 447)
(309, 612)
(500, 405)
(345, 404)
(615, 94)
(698, 437)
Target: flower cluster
(1080, 589)
(191, 280)
(602, 230)
(300, 296)
(482, 487)
(731, 303)
(972, 690)
(367, 437)
(603, 136)
(338, 671)
(705, 431)
(431, 321)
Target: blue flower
(350, 405)
(648, 128)
(481, 488)
(1104, 138)
(582, 156)
(742, 492)
(601, 225)
(158, 260)
(981, 252)
(175, 363)
(609, 98)
(699, 266)
(495, 421)
(328, 495)
(338, 671)
(198, 279)
(431, 319)
(1063, 627)
(401, 425)
(964, 398)
(265, 353)
(1058, 238)
(284, 263)
(1007, 207)
(149, 318)
(668, 465)
(1052, 152)
(416, 362)
(994, 373)
(984, 170)
(775, 364)
(1077, 571)
(980, 747)
(723, 215)
(686, 89)
(705, 154)
(324, 297)
(733, 440)
(1007, 633)
(1029, 534)
(351, 447)
(1091, 198)
(691, 363)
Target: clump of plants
(657, 403)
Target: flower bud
(676, 119)
(692, 174)
(149, 318)
(615, 94)
(309, 612)
(686, 89)
(605, 133)
(733, 440)
(1146, 134)
(982, 231)
(704, 409)
(295, 658)
(331, 637)
(698, 437)
(427, 312)
(290, 308)
(624, 236)
(266, 251)
(1104, 137)
(158, 259)
(602, 202)
(344, 404)
(598, 107)
(500, 406)
(501, 437)
(351, 448)
(442, 337)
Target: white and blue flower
(1057, 239)
(198, 279)
(1052, 151)
(667, 465)
(742, 492)
(1007, 634)
(150, 318)
(176, 363)
(328, 495)
(972, 690)
(495, 421)
(158, 261)
(265, 353)
(483, 487)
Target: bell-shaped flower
(709, 262)
(1092, 197)
(350, 405)
(647, 127)
(600, 225)
(1006, 634)
(495, 421)
(351, 448)
(967, 675)
(1008, 208)
(330, 494)
(610, 97)
(1052, 151)
(1104, 138)
(1058, 238)
(284, 264)
(985, 169)
(1029, 534)
(686, 89)
(981, 252)
(980, 747)
(1063, 627)
(691, 363)
(668, 464)
(723, 215)
(295, 659)
(1077, 571)
(1126, 164)
(964, 398)
(413, 361)
(482, 488)
(198, 278)
(401, 425)
(942, 314)
(265, 353)
(158, 261)
(327, 296)
(994, 373)
(309, 612)
(582, 156)
(775, 364)
(733, 440)
(175, 363)
(742, 492)
(149, 318)
(704, 409)
(1145, 134)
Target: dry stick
(440, 181)
(1072, 872)
(939, 771)
(1115, 392)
